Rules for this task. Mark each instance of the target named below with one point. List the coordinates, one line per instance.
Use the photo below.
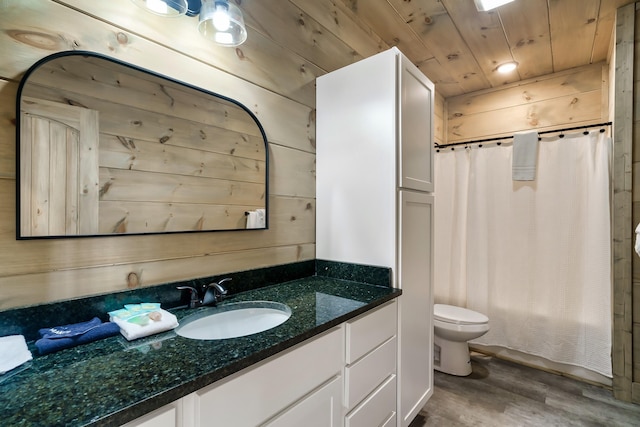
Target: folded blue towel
(75, 338)
(68, 331)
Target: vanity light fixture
(486, 5)
(219, 20)
(507, 67)
(222, 22)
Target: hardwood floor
(501, 393)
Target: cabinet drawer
(366, 374)
(379, 409)
(367, 332)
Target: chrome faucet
(214, 292)
(207, 294)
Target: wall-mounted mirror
(106, 148)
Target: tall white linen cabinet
(373, 196)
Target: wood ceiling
(459, 48)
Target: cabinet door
(416, 128)
(168, 416)
(321, 408)
(255, 395)
(415, 277)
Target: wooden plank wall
(273, 74)
(627, 205)
(569, 98)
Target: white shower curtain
(534, 256)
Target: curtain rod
(477, 141)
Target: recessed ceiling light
(507, 67)
(485, 5)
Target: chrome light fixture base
(167, 8)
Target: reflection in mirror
(106, 148)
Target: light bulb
(507, 67)
(221, 18)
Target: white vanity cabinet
(374, 175)
(300, 386)
(343, 377)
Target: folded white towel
(132, 331)
(525, 153)
(13, 352)
(257, 218)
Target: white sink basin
(233, 320)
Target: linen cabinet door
(415, 278)
(415, 143)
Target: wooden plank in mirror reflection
(118, 86)
(126, 121)
(155, 217)
(140, 155)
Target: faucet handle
(194, 298)
(226, 279)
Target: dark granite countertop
(113, 381)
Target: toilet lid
(458, 315)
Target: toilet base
(454, 357)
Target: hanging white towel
(525, 153)
(637, 245)
(257, 218)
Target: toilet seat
(458, 315)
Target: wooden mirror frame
(136, 155)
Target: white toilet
(454, 326)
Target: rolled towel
(67, 336)
(525, 154)
(256, 218)
(13, 352)
(146, 324)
